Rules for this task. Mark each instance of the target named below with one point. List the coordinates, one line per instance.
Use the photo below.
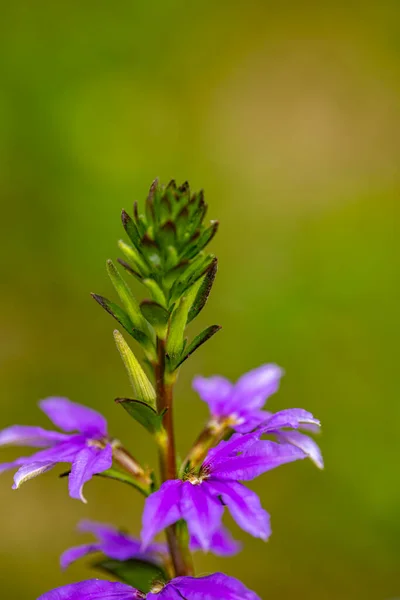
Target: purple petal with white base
(88, 462)
(87, 450)
(212, 587)
(292, 418)
(305, 443)
(42, 461)
(29, 471)
(198, 499)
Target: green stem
(177, 540)
(130, 464)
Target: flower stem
(176, 537)
(130, 464)
(213, 433)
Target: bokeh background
(288, 115)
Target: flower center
(235, 419)
(157, 587)
(101, 444)
(197, 477)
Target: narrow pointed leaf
(171, 258)
(151, 251)
(131, 229)
(198, 341)
(198, 213)
(117, 475)
(176, 268)
(129, 301)
(142, 413)
(149, 208)
(124, 478)
(134, 259)
(156, 315)
(191, 274)
(202, 241)
(130, 270)
(140, 382)
(124, 320)
(137, 573)
(154, 197)
(177, 326)
(203, 291)
(167, 234)
(182, 222)
(156, 292)
(165, 208)
(115, 311)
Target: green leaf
(175, 268)
(140, 220)
(174, 345)
(149, 208)
(131, 230)
(156, 315)
(152, 206)
(198, 212)
(171, 259)
(156, 292)
(140, 382)
(198, 341)
(117, 475)
(167, 235)
(122, 318)
(202, 241)
(165, 208)
(182, 222)
(151, 251)
(203, 291)
(124, 478)
(192, 273)
(115, 311)
(130, 270)
(143, 414)
(134, 258)
(139, 574)
(129, 301)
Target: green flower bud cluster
(167, 255)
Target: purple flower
(221, 543)
(113, 543)
(291, 419)
(88, 450)
(121, 546)
(200, 498)
(239, 405)
(212, 587)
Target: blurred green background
(288, 115)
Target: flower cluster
(240, 440)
